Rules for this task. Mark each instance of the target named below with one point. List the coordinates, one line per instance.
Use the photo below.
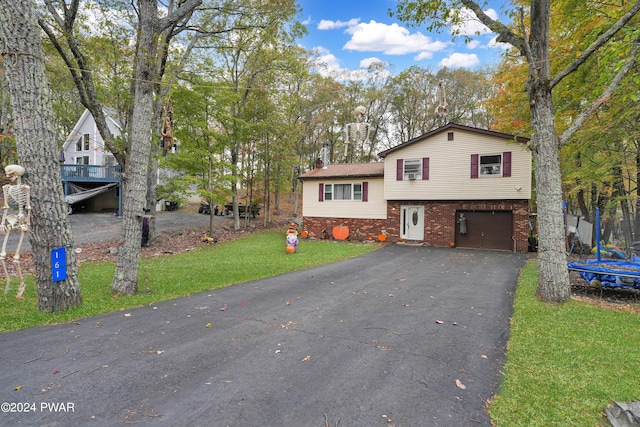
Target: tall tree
(23, 56)
(532, 42)
(149, 63)
(255, 48)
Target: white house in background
(91, 175)
(85, 146)
(455, 185)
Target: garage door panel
(486, 230)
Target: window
(328, 193)
(341, 191)
(356, 191)
(491, 165)
(82, 160)
(412, 169)
(82, 144)
(450, 136)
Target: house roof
(449, 127)
(346, 170)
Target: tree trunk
(125, 279)
(553, 285)
(636, 228)
(37, 152)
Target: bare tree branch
(505, 35)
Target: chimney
(319, 164)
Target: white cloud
(328, 65)
(389, 39)
(471, 25)
(494, 43)
(459, 60)
(332, 25)
(367, 62)
(473, 44)
(307, 21)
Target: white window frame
(412, 169)
(331, 193)
(490, 168)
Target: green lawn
(566, 363)
(252, 257)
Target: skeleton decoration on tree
(19, 194)
(442, 109)
(357, 132)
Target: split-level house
(92, 178)
(456, 185)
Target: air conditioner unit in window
(411, 176)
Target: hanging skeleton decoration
(442, 109)
(18, 194)
(167, 130)
(357, 132)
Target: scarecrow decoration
(292, 239)
(168, 140)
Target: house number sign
(59, 264)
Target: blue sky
(349, 34)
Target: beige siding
(450, 167)
(375, 208)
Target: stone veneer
(439, 221)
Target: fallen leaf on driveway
(223, 308)
(439, 322)
(306, 358)
(208, 325)
(460, 385)
(127, 315)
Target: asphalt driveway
(404, 336)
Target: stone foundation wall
(439, 221)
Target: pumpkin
(304, 233)
(382, 237)
(290, 250)
(452, 244)
(340, 232)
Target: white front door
(412, 222)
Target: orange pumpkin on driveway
(340, 232)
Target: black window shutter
(365, 191)
(321, 192)
(399, 170)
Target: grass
(565, 363)
(255, 256)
